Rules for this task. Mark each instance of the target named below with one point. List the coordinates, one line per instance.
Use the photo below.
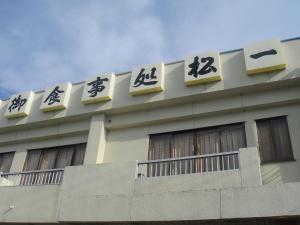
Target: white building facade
(212, 139)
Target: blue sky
(45, 42)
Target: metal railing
(188, 165)
(30, 178)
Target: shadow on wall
(283, 172)
(234, 68)
(271, 174)
(275, 76)
(122, 85)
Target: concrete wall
(118, 130)
(131, 143)
(261, 201)
(33, 204)
(110, 192)
(117, 133)
(108, 188)
(42, 136)
(127, 134)
(190, 182)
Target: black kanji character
(17, 103)
(145, 79)
(207, 68)
(97, 86)
(264, 53)
(54, 96)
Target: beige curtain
(274, 139)
(182, 145)
(216, 140)
(207, 142)
(64, 157)
(31, 163)
(59, 157)
(265, 141)
(79, 154)
(48, 159)
(159, 148)
(32, 160)
(5, 161)
(44, 159)
(281, 139)
(202, 142)
(232, 139)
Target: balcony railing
(188, 165)
(29, 178)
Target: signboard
(56, 97)
(98, 88)
(147, 79)
(260, 57)
(202, 68)
(19, 105)
(264, 56)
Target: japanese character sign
(98, 88)
(19, 105)
(264, 56)
(202, 68)
(147, 79)
(56, 97)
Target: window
(274, 139)
(194, 142)
(52, 158)
(5, 161)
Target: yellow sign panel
(202, 68)
(19, 105)
(98, 88)
(147, 79)
(56, 97)
(264, 56)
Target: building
(212, 139)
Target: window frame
(56, 156)
(203, 129)
(217, 128)
(13, 155)
(263, 162)
(163, 144)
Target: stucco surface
(29, 204)
(117, 134)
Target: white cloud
(95, 37)
(47, 42)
